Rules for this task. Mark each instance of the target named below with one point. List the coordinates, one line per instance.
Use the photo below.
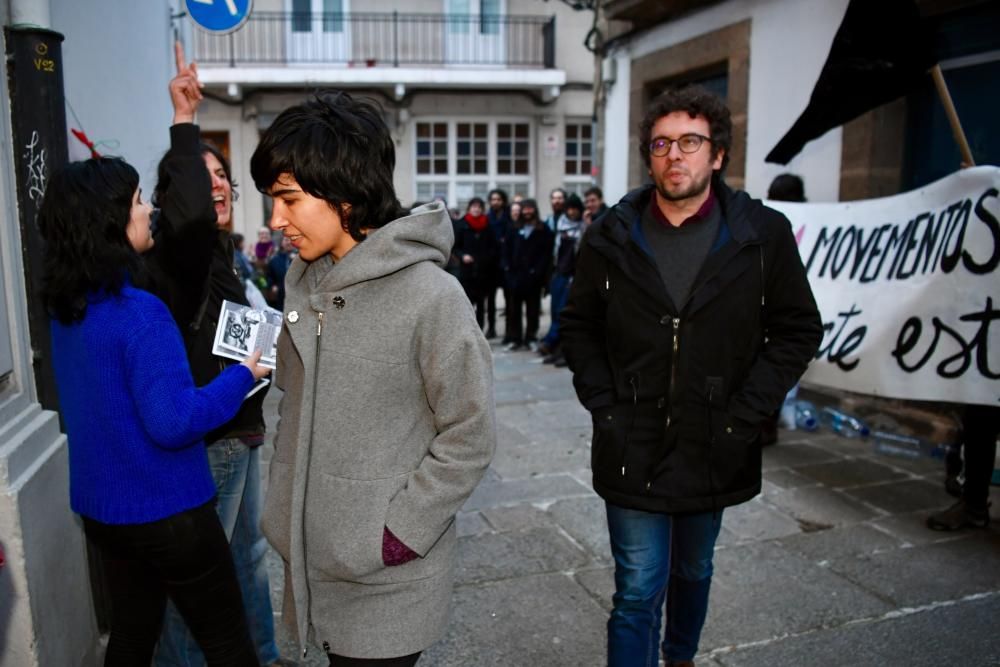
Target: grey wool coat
(388, 419)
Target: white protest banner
(908, 289)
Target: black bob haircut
(695, 101)
(338, 149)
(83, 219)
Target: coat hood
(740, 212)
(425, 235)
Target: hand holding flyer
(243, 330)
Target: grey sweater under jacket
(388, 419)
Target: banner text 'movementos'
(898, 251)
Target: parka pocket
(344, 520)
(602, 420)
(736, 458)
(275, 521)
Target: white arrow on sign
(231, 4)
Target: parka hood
(740, 211)
(426, 234)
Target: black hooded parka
(678, 391)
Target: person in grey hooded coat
(387, 421)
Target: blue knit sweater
(134, 418)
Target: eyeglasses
(687, 143)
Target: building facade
(114, 64)
(478, 95)
(496, 93)
(764, 57)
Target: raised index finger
(179, 56)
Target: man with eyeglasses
(689, 318)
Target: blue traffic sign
(220, 16)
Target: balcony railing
(382, 40)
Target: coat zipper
(312, 430)
(762, 300)
(674, 349)
(628, 434)
(673, 368)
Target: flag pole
(949, 110)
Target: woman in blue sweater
(139, 473)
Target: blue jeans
(236, 471)
(659, 556)
(559, 294)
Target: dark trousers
(184, 557)
(478, 299)
(980, 425)
(491, 309)
(343, 661)
(530, 299)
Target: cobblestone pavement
(830, 565)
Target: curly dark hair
(696, 101)
(83, 219)
(503, 196)
(338, 149)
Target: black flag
(882, 51)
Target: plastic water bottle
(843, 424)
(786, 418)
(908, 446)
(806, 417)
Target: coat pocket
(275, 521)
(344, 520)
(604, 423)
(736, 458)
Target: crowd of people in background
(505, 246)
(265, 266)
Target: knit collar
(701, 214)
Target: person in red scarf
(476, 249)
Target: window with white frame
(486, 13)
(579, 151)
(305, 12)
(462, 159)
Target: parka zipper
(312, 429)
(631, 426)
(675, 348)
(762, 301)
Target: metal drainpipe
(30, 12)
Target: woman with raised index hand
(194, 270)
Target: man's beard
(528, 219)
(696, 188)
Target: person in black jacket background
(498, 215)
(193, 272)
(689, 318)
(476, 251)
(526, 262)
